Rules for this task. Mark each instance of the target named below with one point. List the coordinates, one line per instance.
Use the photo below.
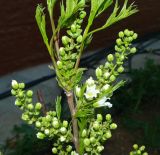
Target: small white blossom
(90, 81)
(102, 102)
(91, 92)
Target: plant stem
(54, 35)
(74, 120)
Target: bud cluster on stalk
(69, 53)
(52, 128)
(138, 150)
(98, 132)
(25, 102)
(107, 74)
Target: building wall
(21, 45)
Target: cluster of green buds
(67, 76)
(52, 128)
(107, 74)
(25, 102)
(138, 150)
(98, 132)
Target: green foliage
(41, 22)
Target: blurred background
(23, 57)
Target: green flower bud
(21, 85)
(78, 91)
(63, 130)
(107, 65)
(40, 135)
(130, 39)
(38, 106)
(121, 34)
(29, 100)
(127, 32)
(62, 138)
(131, 33)
(108, 117)
(65, 40)
(139, 152)
(145, 153)
(55, 124)
(121, 58)
(117, 48)
(96, 125)
(46, 131)
(113, 126)
(110, 57)
(98, 72)
(100, 148)
(73, 28)
(99, 118)
(54, 150)
(135, 36)
(62, 51)
(120, 69)
(30, 106)
(108, 134)
(29, 93)
(112, 78)
(18, 103)
(15, 84)
(135, 146)
(48, 118)
(106, 75)
(86, 142)
(119, 41)
(38, 124)
(65, 124)
(84, 133)
(25, 117)
(133, 50)
(92, 140)
(59, 64)
(83, 14)
(13, 92)
(79, 39)
(142, 148)
(21, 94)
(69, 148)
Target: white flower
(91, 92)
(102, 102)
(90, 81)
(105, 87)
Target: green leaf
(58, 107)
(51, 4)
(40, 18)
(117, 16)
(118, 85)
(67, 14)
(103, 6)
